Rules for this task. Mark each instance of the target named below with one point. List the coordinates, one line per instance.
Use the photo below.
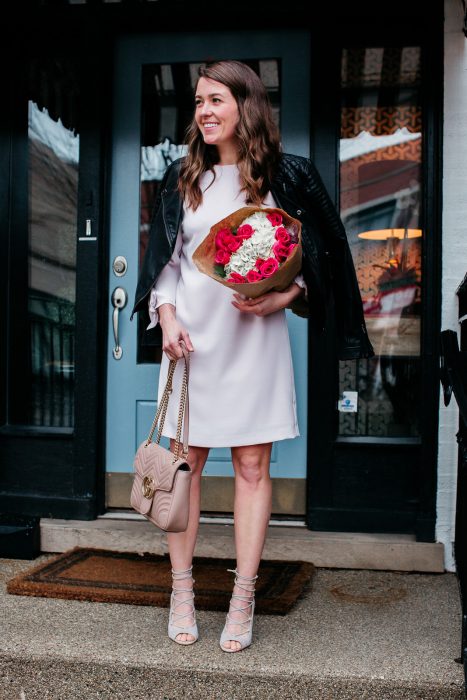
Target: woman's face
(216, 113)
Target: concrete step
(129, 531)
(374, 635)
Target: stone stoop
(354, 634)
(355, 550)
(58, 680)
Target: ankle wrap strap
(182, 575)
(246, 583)
(247, 578)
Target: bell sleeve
(301, 283)
(164, 289)
(300, 305)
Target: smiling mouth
(210, 125)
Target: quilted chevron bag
(162, 479)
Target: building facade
(99, 96)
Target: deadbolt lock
(119, 266)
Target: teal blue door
(154, 75)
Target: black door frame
(324, 448)
(46, 471)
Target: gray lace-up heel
(175, 601)
(247, 584)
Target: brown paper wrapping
(205, 253)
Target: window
(44, 248)
(380, 194)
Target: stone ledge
(324, 549)
(52, 679)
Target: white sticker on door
(349, 402)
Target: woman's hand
(172, 333)
(269, 302)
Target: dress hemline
(240, 441)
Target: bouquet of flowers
(259, 248)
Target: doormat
(105, 576)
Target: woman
(242, 392)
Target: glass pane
(53, 159)
(167, 109)
(380, 192)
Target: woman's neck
(228, 154)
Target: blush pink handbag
(162, 479)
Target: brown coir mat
(101, 575)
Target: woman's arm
(162, 305)
(164, 289)
(271, 301)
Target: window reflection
(53, 159)
(380, 178)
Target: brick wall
(454, 252)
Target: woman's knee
(251, 463)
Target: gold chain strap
(163, 405)
(163, 401)
(181, 412)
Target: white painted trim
(454, 255)
(128, 515)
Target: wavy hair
(258, 137)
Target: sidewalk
(339, 643)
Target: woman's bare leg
(252, 511)
(182, 544)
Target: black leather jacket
(327, 265)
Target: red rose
(225, 240)
(232, 244)
(253, 276)
(275, 219)
(282, 235)
(245, 231)
(235, 277)
(222, 236)
(269, 267)
(280, 250)
(259, 262)
(222, 257)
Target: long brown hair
(257, 134)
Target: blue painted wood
(132, 388)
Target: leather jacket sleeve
(158, 241)
(353, 340)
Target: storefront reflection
(380, 177)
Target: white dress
(241, 387)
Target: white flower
(259, 245)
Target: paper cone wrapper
(205, 253)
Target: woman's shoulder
(169, 180)
(295, 167)
(293, 160)
(294, 170)
(174, 166)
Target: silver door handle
(119, 299)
